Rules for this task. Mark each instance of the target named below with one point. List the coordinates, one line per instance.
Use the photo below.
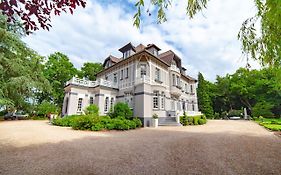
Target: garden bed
(272, 124)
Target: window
(127, 72)
(66, 105)
(183, 105)
(173, 105)
(127, 54)
(106, 104)
(186, 87)
(193, 106)
(143, 70)
(91, 100)
(179, 106)
(106, 77)
(174, 80)
(191, 88)
(178, 81)
(157, 74)
(155, 52)
(79, 107)
(111, 103)
(115, 78)
(129, 99)
(162, 100)
(122, 74)
(155, 99)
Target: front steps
(169, 121)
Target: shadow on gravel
(147, 151)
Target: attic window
(155, 52)
(127, 54)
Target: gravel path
(219, 147)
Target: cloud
(208, 43)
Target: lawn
(273, 124)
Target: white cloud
(208, 43)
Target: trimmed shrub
(92, 109)
(121, 110)
(85, 122)
(137, 122)
(195, 120)
(97, 127)
(66, 121)
(201, 121)
(121, 124)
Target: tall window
(179, 106)
(178, 81)
(79, 107)
(186, 87)
(66, 105)
(127, 72)
(115, 78)
(157, 74)
(127, 54)
(122, 74)
(106, 104)
(193, 106)
(191, 88)
(91, 100)
(129, 99)
(173, 105)
(183, 105)
(143, 70)
(174, 79)
(162, 100)
(155, 99)
(111, 103)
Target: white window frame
(115, 77)
(163, 100)
(106, 101)
(91, 101)
(122, 74)
(157, 74)
(155, 100)
(143, 70)
(80, 103)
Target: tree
(265, 47)
(37, 13)
(89, 70)
(121, 110)
(92, 109)
(58, 70)
(45, 108)
(204, 101)
(20, 70)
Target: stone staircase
(169, 121)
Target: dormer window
(126, 54)
(155, 52)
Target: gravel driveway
(219, 147)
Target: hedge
(193, 120)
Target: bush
(121, 124)
(201, 121)
(262, 109)
(92, 109)
(121, 110)
(97, 127)
(217, 115)
(39, 118)
(195, 120)
(137, 122)
(84, 122)
(65, 121)
(184, 120)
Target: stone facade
(151, 83)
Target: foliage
(193, 120)
(97, 123)
(270, 123)
(92, 109)
(155, 116)
(39, 118)
(121, 110)
(89, 70)
(20, 70)
(58, 70)
(262, 109)
(260, 42)
(37, 13)
(45, 108)
(234, 113)
(204, 100)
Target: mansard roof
(152, 45)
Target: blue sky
(208, 43)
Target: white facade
(149, 82)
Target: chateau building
(150, 82)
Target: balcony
(88, 83)
(175, 91)
(143, 79)
(175, 68)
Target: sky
(207, 43)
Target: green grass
(273, 124)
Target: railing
(88, 83)
(143, 79)
(174, 68)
